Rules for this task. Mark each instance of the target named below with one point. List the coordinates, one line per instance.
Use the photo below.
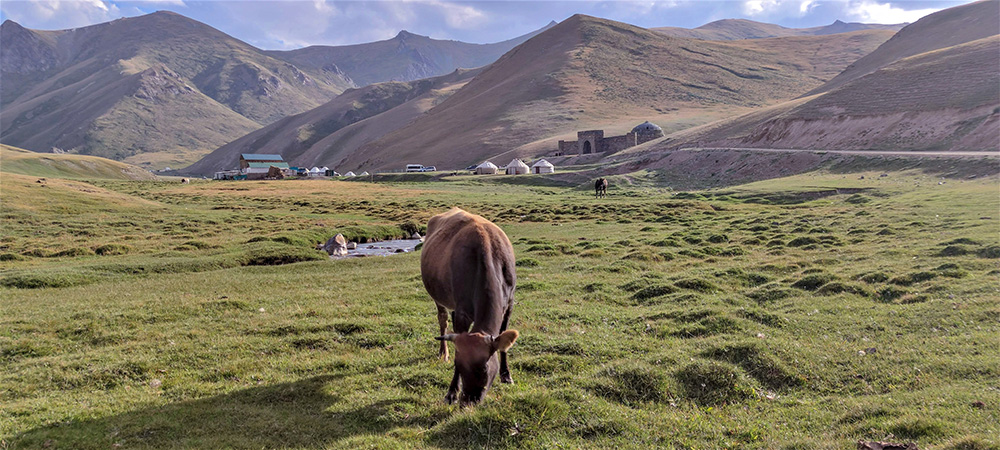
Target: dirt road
(914, 154)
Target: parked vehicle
(414, 168)
(429, 169)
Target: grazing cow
(185, 181)
(601, 187)
(467, 265)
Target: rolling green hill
(14, 160)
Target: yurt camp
(542, 166)
(517, 167)
(486, 168)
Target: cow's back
(467, 264)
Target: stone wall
(646, 137)
(618, 143)
(569, 147)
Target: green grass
(155, 315)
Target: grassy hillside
(912, 104)
(590, 73)
(159, 83)
(14, 160)
(780, 314)
(950, 27)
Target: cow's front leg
(443, 322)
(504, 370)
(452, 390)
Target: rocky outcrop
(23, 51)
(336, 246)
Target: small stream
(384, 248)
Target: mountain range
(162, 89)
(583, 73)
(187, 92)
(406, 57)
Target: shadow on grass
(283, 415)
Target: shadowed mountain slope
(406, 57)
(321, 134)
(946, 99)
(587, 73)
(736, 29)
(942, 29)
(149, 84)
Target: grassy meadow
(778, 314)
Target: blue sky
(281, 24)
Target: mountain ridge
(423, 56)
(736, 29)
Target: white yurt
(364, 174)
(349, 174)
(517, 167)
(543, 166)
(315, 172)
(486, 168)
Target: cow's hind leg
(443, 322)
(504, 370)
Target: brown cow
(467, 265)
(601, 187)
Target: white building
(486, 168)
(517, 167)
(542, 166)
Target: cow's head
(476, 361)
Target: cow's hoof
(450, 398)
(506, 379)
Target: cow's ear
(506, 339)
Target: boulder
(352, 245)
(416, 236)
(336, 246)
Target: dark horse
(601, 187)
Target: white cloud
(875, 12)
(460, 16)
(806, 6)
(60, 14)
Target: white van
(414, 168)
